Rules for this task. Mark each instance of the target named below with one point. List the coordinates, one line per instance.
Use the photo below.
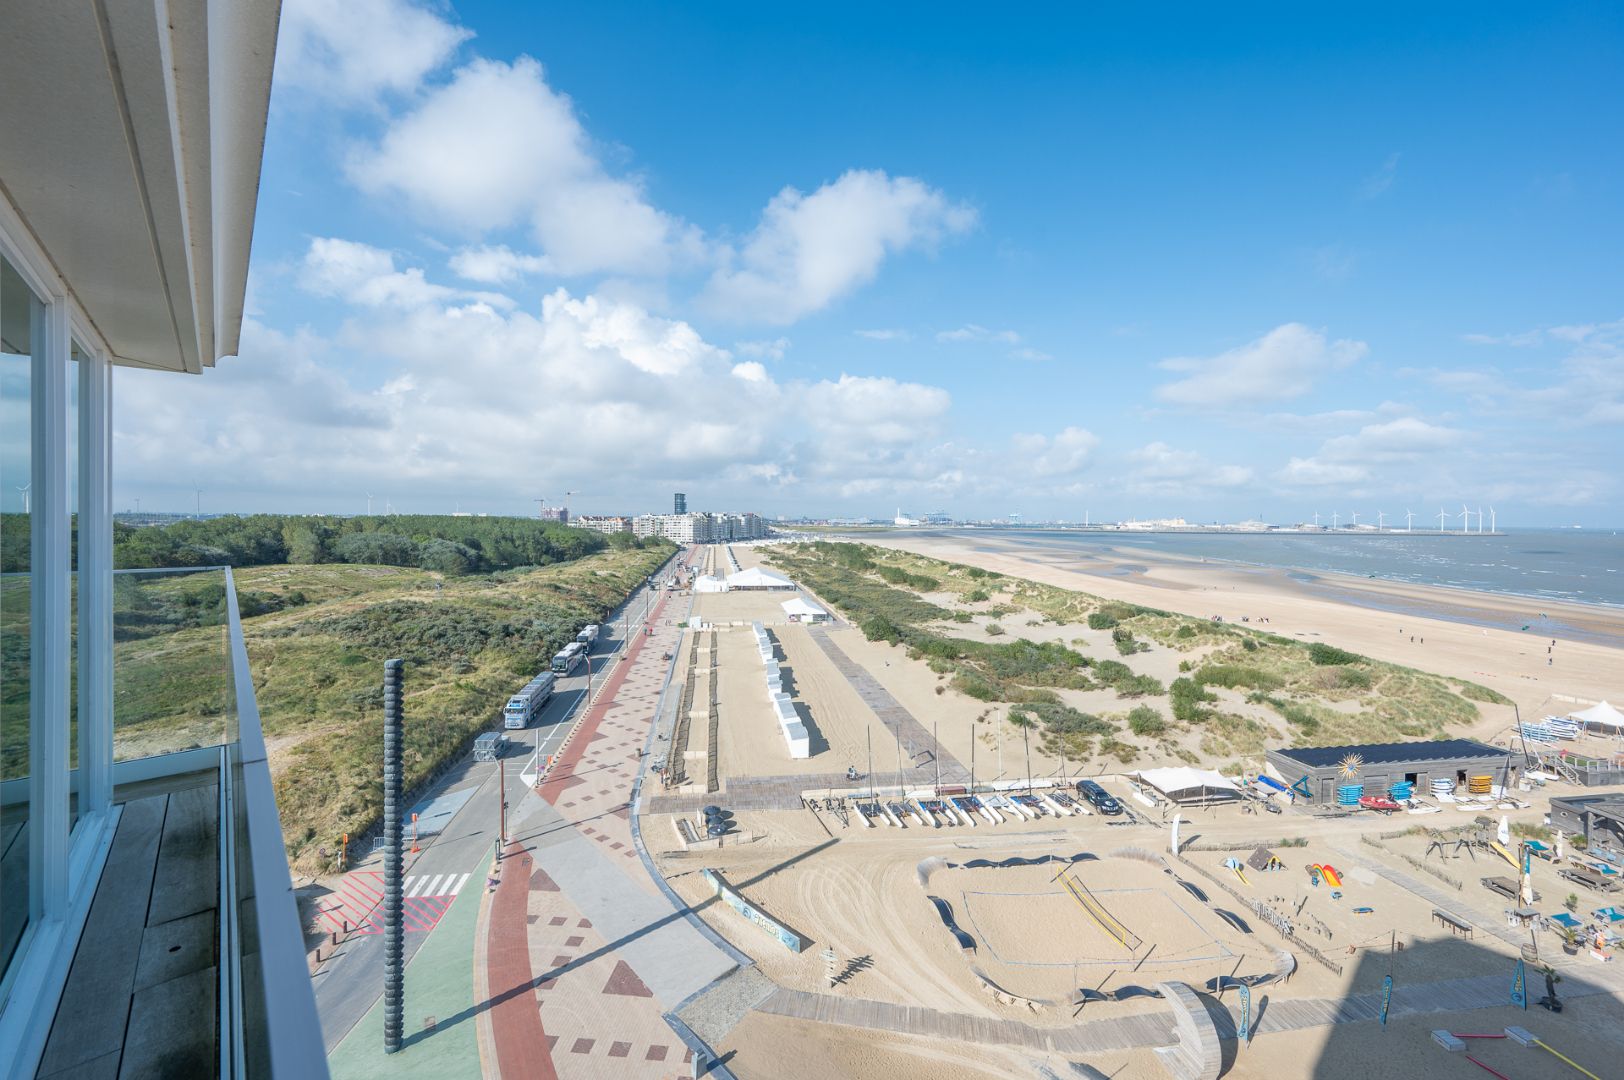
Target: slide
(1332, 878)
(1494, 846)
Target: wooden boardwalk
(916, 741)
(1147, 1030)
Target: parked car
(1099, 798)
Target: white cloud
(417, 394)
(1380, 181)
(498, 146)
(365, 275)
(1311, 472)
(884, 335)
(1281, 364)
(353, 52)
(810, 250)
(972, 332)
(497, 264)
(765, 350)
(1064, 454)
(1159, 469)
(1401, 439)
(1407, 444)
(1036, 356)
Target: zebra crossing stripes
(437, 885)
(426, 897)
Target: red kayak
(1378, 802)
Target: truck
(567, 658)
(588, 636)
(523, 707)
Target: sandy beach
(1456, 632)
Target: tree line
(450, 545)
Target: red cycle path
(516, 1028)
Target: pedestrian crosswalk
(436, 885)
(425, 898)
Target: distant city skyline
(1207, 267)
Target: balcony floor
(140, 1000)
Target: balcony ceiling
(131, 133)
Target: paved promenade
(584, 953)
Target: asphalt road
(350, 983)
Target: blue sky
(1138, 262)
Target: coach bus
(568, 657)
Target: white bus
(588, 636)
(569, 656)
(523, 707)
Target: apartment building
(130, 142)
(604, 524)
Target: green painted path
(439, 983)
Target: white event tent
(1600, 719)
(757, 578)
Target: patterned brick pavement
(564, 992)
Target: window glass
(76, 487)
(21, 317)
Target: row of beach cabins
(789, 721)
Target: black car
(1099, 798)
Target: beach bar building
(1598, 818)
(1317, 772)
(148, 924)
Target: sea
(1584, 566)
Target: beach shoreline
(1570, 653)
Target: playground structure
(1318, 872)
(1096, 911)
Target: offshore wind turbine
(1492, 526)
(1442, 513)
(1381, 520)
(1465, 519)
(1356, 519)
(1408, 518)
(1479, 519)
(1316, 519)
(1335, 518)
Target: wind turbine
(1480, 519)
(1442, 513)
(1465, 519)
(1408, 517)
(1336, 518)
(1492, 526)
(369, 504)
(24, 491)
(1316, 519)
(1356, 519)
(199, 493)
(1381, 519)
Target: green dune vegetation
(1082, 680)
(472, 625)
